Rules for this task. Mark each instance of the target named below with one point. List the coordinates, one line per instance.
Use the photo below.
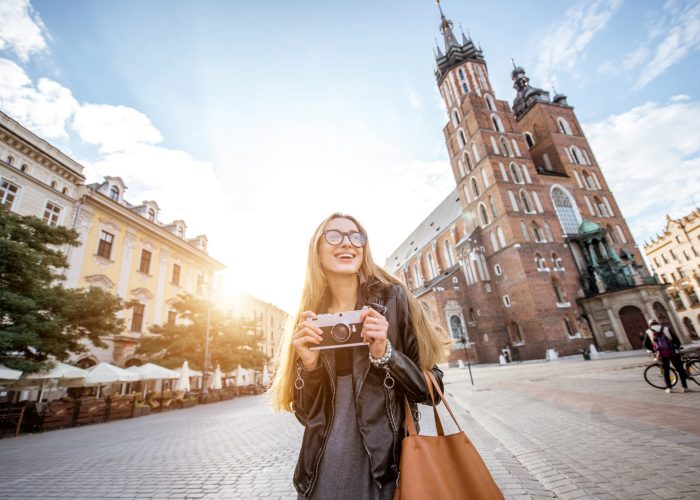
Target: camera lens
(340, 332)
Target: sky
(253, 121)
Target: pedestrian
(665, 344)
(350, 399)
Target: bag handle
(438, 422)
(410, 425)
(444, 399)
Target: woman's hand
(374, 332)
(306, 334)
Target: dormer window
(53, 184)
(10, 159)
(180, 232)
(114, 193)
(151, 215)
(23, 168)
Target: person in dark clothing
(350, 399)
(665, 344)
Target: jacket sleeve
(403, 364)
(309, 396)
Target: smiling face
(343, 258)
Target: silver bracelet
(384, 359)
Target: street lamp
(205, 386)
(466, 353)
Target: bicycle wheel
(693, 369)
(654, 375)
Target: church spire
(446, 30)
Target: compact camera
(339, 330)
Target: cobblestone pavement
(588, 429)
(566, 429)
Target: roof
(446, 213)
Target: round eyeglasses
(335, 237)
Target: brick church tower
(546, 258)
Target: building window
(692, 296)
(600, 207)
(577, 156)
(114, 193)
(540, 262)
(559, 293)
(484, 214)
(492, 203)
(525, 200)
(180, 232)
(461, 139)
(10, 160)
(566, 212)
(8, 193)
(416, 275)
(151, 215)
(431, 265)
(489, 102)
(455, 118)
(23, 168)
(53, 184)
(137, 318)
(501, 237)
(506, 147)
(51, 214)
(494, 243)
(468, 162)
(448, 254)
(475, 188)
(145, 264)
(513, 203)
(456, 327)
(515, 173)
(557, 262)
(564, 126)
(497, 269)
(529, 140)
(104, 247)
(537, 232)
(475, 153)
(569, 329)
(514, 334)
(547, 232)
(506, 301)
(176, 275)
(172, 317)
(497, 123)
(523, 229)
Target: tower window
(114, 193)
(523, 229)
(515, 173)
(468, 162)
(475, 188)
(525, 200)
(567, 213)
(506, 149)
(537, 232)
(484, 214)
(455, 118)
(529, 140)
(497, 123)
(564, 127)
(489, 102)
(461, 139)
(540, 262)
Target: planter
(120, 407)
(140, 411)
(89, 411)
(187, 403)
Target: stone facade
(675, 258)
(532, 233)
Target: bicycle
(654, 373)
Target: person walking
(665, 344)
(350, 399)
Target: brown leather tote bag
(441, 467)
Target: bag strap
(438, 422)
(444, 400)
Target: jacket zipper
(392, 422)
(328, 428)
(359, 426)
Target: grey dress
(344, 472)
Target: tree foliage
(39, 318)
(232, 341)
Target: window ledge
(103, 260)
(147, 275)
(544, 269)
(518, 344)
(563, 304)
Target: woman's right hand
(305, 334)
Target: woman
(350, 400)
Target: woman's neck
(343, 292)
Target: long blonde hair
(431, 345)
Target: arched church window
(484, 214)
(456, 328)
(468, 162)
(501, 236)
(540, 262)
(564, 126)
(431, 266)
(537, 231)
(455, 118)
(506, 148)
(497, 123)
(523, 229)
(556, 260)
(529, 140)
(475, 188)
(566, 210)
(494, 243)
(460, 167)
(577, 156)
(600, 207)
(448, 254)
(548, 232)
(513, 202)
(485, 177)
(475, 153)
(612, 235)
(461, 139)
(526, 202)
(515, 174)
(492, 203)
(489, 102)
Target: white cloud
(21, 29)
(44, 108)
(114, 128)
(681, 37)
(650, 156)
(561, 48)
(415, 100)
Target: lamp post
(205, 386)
(466, 353)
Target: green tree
(232, 342)
(39, 318)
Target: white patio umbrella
(60, 371)
(216, 380)
(151, 371)
(265, 377)
(183, 383)
(240, 377)
(105, 373)
(9, 374)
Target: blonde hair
(431, 345)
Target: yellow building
(126, 250)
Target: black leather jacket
(380, 410)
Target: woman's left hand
(374, 332)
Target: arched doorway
(690, 328)
(635, 325)
(85, 363)
(456, 327)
